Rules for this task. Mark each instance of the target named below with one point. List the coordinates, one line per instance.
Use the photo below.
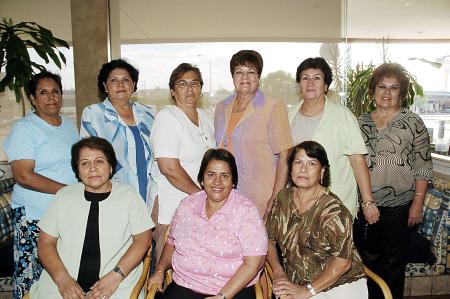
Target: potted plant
(15, 39)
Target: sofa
(425, 278)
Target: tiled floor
(429, 297)
(429, 285)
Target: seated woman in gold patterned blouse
(313, 230)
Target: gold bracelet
(418, 193)
(366, 203)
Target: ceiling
(264, 20)
(398, 19)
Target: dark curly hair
(316, 63)
(95, 143)
(221, 155)
(182, 69)
(247, 58)
(313, 150)
(390, 70)
(109, 67)
(34, 82)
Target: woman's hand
(49, 257)
(279, 275)
(283, 288)
(106, 286)
(157, 278)
(415, 210)
(415, 214)
(69, 288)
(371, 212)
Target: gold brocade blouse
(309, 240)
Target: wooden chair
(142, 282)
(168, 278)
(269, 277)
(370, 274)
(380, 282)
(142, 279)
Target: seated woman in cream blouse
(95, 233)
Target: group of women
(131, 164)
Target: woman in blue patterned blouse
(125, 124)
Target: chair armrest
(380, 282)
(144, 276)
(152, 291)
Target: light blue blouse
(102, 120)
(49, 146)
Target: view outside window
(156, 62)
(428, 62)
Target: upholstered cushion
(435, 227)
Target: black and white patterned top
(398, 156)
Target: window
(157, 61)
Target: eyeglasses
(184, 84)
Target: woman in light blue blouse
(38, 148)
(125, 124)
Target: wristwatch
(311, 289)
(117, 270)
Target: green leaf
(55, 59)
(14, 57)
(38, 66)
(42, 52)
(16, 88)
(62, 57)
(62, 43)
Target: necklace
(382, 120)
(313, 199)
(203, 136)
(311, 115)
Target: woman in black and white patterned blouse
(400, 167)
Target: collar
(367, 117)
(112, 115)
(258, 99)
(293, 110)
(199, 207)
(96, 197)
(110, 112)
